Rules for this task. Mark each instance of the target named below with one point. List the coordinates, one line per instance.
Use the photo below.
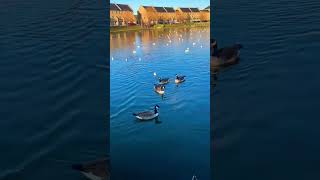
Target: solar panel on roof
(169, 9)
(124, 7)
(113, 7)
(160, 9)
(194, 9)
(185, 9)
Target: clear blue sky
(134, 4)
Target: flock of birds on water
(160, 89)
(98, 169)
(223, 57)
(170, 40)
(163, 81)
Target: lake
(178, 146)
(266, 121)
(53, 95)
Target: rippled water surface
(178, 147)
(266, 117)
(52, 98)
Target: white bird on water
(155, 74)
(194, 44)
(134, 52)
(187, 50)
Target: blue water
(53, 98)
(179, 146)
(265, 109)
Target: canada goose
(163, 80)
(225, 56)
(95, 170)
(179, 79)
(147, 115)
(159, 88)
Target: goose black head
(213, 47)
(213, 43)
(156, 107)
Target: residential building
(188, 14)
(121, 15)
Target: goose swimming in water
(159, 88)
(163, 80)
(179, 79)
(95, 170)
(225, 56)
(148, 115)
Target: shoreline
(158, 26)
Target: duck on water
(159, 88)
(179, 79)
(225, 56)
(162, 80)
(148, 115)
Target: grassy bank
(158, 26)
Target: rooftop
(185, 10)
(188, 10)
(169, 9)
(120, 7)
(194, 9)
(114, 7)
(160, 9)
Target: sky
(134, 4)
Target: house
(205, 15)
(166, 15)
(121, 15)
(147, 16)
(150, 15)
(171, 16)
(188, 14)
